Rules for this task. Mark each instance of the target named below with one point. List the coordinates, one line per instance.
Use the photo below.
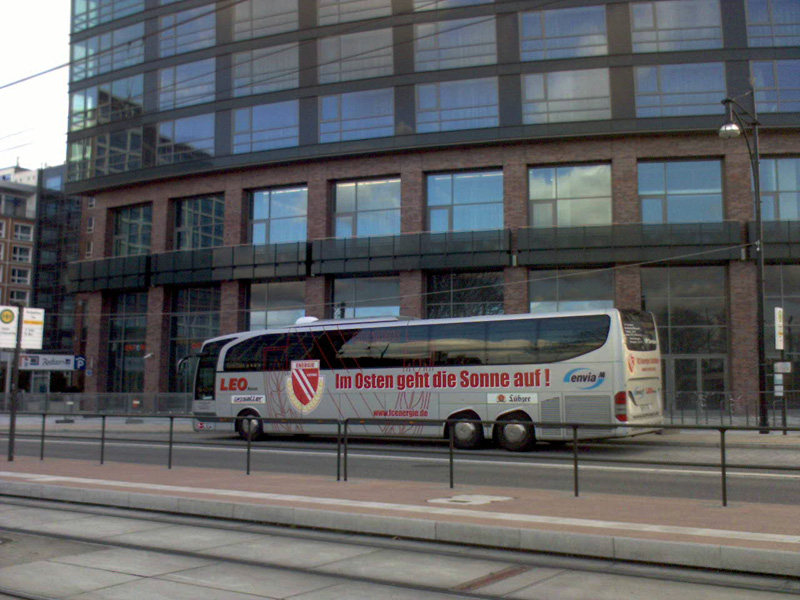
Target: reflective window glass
(132, 229)
(777, 85)
(186, 84)
(420, 5)
(355, 56)
(563, 33)
(455, 44)
(186, 139)
(367, 208)
(678, 90)
(266, 70)
(90, 13)
(199, 222)
(450, 105)
(366, 297)
(574, 196)
(279, 215)
(780, 189)
(127, 342)
(123, 47)
(465, 201)
(356, 115)
(330, 12)
(266, 127)
(670, 25)
(566, 96)
(256, 18)
(187, 30)
(276, 304)
(194, 319)
(773, 22)
(681, 192)
(570, 289)
(464, 294)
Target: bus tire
(255, 431)
(467, 436)
(515, 437)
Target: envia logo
(585, 379)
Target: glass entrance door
(695, 386)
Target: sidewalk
(757, 538)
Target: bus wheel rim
(515, 432)
(465, 431)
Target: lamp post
(738, 119)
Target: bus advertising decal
(585, 379)
(512, 398)
(305, 385)
(252, 399)
(443, 380)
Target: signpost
(17, 333)
(780, 367)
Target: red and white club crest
(305, 385)
(631, 363)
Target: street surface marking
(427, 510)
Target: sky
(33, 114)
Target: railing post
(575, 457)
(171, 432)
(103, 440)
(451, 435)
(41, 448)
(249, 422)
(338, 450)
(723, 466)
(345, 449)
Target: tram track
(504, 566)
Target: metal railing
(723, 408)
(344, 434)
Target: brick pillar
(96, 344)
(626, 207)
(163, 226)
(628, 288)
(515, 195)
(515, 290)
(237, 212)
(412, 294)
(737, 183)
(412, 191)
(156, 368)
(233, 316)
(319, 207)
(743, 334)
(317, 295)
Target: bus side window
(458, 344)
(512, 342)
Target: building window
(356, 56)
(14, 206)
(367, 208)
(127, 333)
(186, 84)
(132, 228)
(366, 297)
(20, 276)
(570, 289)
(563, 33)
(89, 252)
(19, 297)
(676, 25)
(23, 233)
(184, 140)
(450, 105)
(87, 14)
(21, 254)
(110, 51)
(2, 252)
(266, 70)
(2, 232)
(91, 202)
(782, 289)
(689, 306)
(255, 18)
(279, 215)
(566, 96)
(276, 304)
(420, 5)
(199, 222)
(330, 12)
(576, 196)
(194, 319)
(678, 90)
(107, 102)
(773, 22)
(464, 294)
(266, 127)
(90, 225)
(681, 192)
(465, 201)
(455, 44)
(777, 85)
(356, 115)
(780, 189)
(187, 30)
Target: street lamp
(738, 119)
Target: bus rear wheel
(467, 436)
(249, 426)
(515, 437)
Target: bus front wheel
(516, 437)
(249, 426)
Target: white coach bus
(580, 367)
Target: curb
(614, 547)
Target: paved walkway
(758, 538)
